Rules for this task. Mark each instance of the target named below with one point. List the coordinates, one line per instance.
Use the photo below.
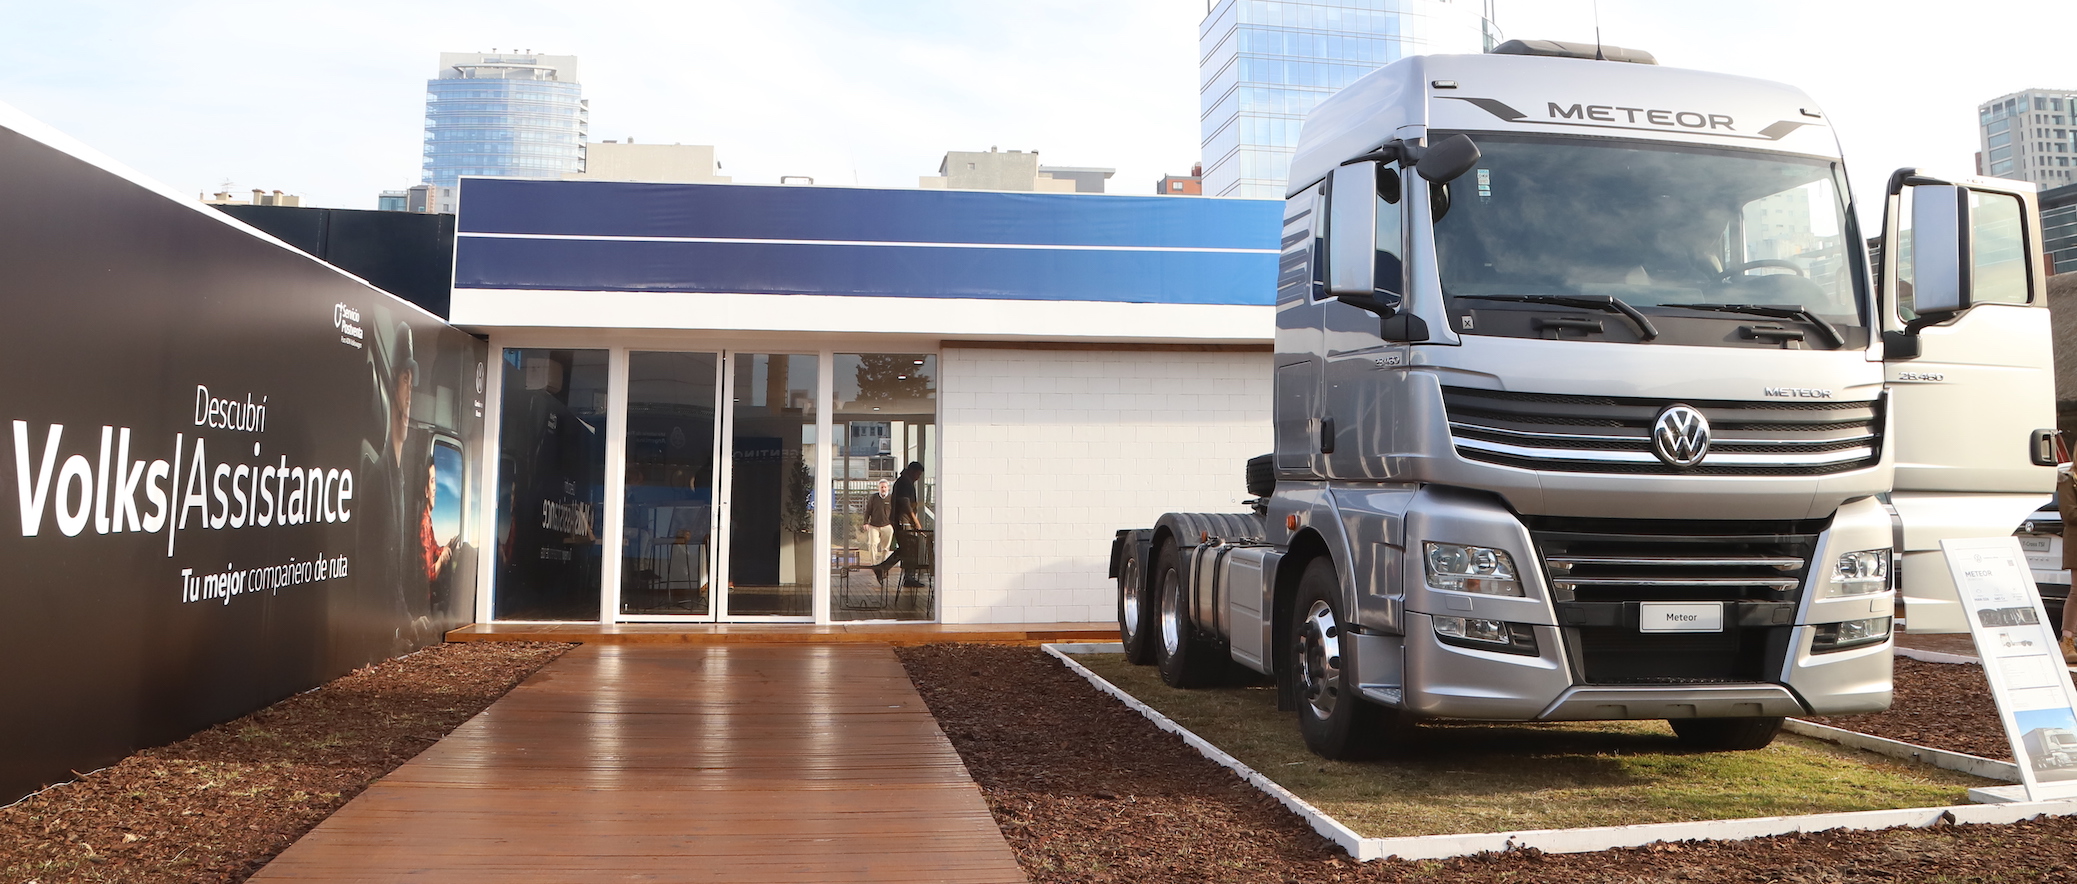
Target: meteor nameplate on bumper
(1680, 617)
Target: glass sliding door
(551, 484)
(771, 493)
(883, 523)
(667, 551)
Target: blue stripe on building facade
(847, 241)
(1156, 277)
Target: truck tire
(1136, 610)
(1726, 734)
(1185, 657)
(1335, 720)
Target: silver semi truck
(2049, 748)
(1590, 404)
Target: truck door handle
(1327, 435)
(2041, 447)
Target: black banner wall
(234, 472)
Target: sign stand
(2036, 702)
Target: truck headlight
(1860, 572)
(1486, 635)
(1478, 569)
(1850, 634)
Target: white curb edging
(1924, 656)
(1089, 647)
(1585, 840)
(1327, 826)
(1973, 765)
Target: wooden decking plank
(718, 763)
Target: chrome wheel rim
(1171, 613)
(1129, 599)
(1319, 659)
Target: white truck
(2049, 748)
(1589, 406)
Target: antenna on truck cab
(1597, 32)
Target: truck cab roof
(1560, 96)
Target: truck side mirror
(1449, 158)
(1352, 232)
(1939, 249)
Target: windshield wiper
(1608, 303)
(1792, 311)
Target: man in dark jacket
(908, 528)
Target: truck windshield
(1654, 226)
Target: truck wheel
(1186, 659)
(1726, 734)
(1336, 721)
(1135, 612)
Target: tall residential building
(2030, 135)
(1263, 65)
(509, 115)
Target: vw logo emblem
(1680, 435)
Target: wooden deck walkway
(787, 633)
(750, 763)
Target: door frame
(725, 345)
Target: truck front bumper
(1448, 681)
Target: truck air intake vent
(1601, 572)
(1606, 434)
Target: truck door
(1355, 406)
(1970, 374)
(1295, 412)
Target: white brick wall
(1047, 452)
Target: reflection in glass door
(666, 556)
(551, 484)
(883, 521)
(771, 494)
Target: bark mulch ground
(1088, 791)
(218, 805)
(1942, 705)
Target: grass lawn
(1459, 777)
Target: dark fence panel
(233, 472)
(407, 254)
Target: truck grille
(1614, 656)
(1606, 434)
(1600, 570)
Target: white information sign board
(2035, 699)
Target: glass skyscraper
(1264, 64)
(506, 115)
(2030, 135)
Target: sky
(326, 99)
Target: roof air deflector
(1562, 49)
